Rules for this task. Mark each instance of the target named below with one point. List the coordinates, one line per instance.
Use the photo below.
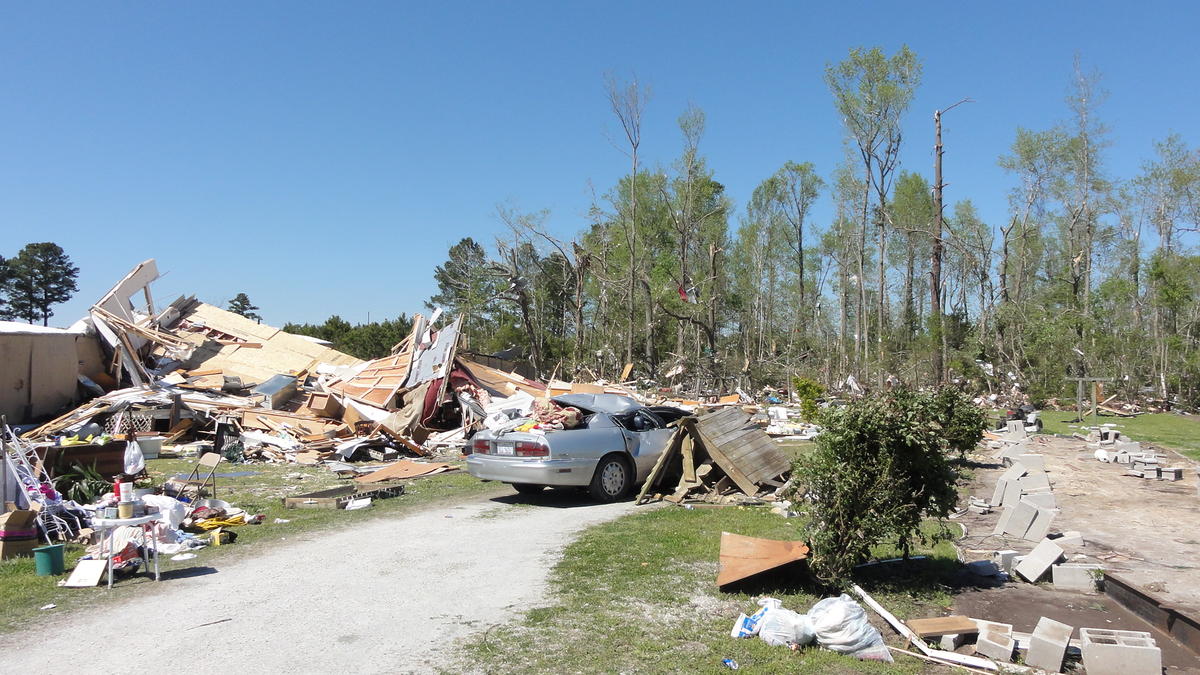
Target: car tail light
(531, 449)
(480, 446)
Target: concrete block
(1005, 516)
(1040, 527)
(1133, 447)
(1033, 463)
(1039, 560)
(1016, 430)
(1075, 576)
(1119, 652)
(1069, 540)
(1012, 493)
(952, 642)
(998, 493)
(1122, 458)
(1036, 480)
(1150, 473)
(1044, 500)
(1172, 473)
(1022, 517)
(1006, 560)
(1048, 645)
(998, 646)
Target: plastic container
(150, 445)
(49, 560)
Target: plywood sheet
(743, 556)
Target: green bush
(807, 391)
(880, 467)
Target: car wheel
(611, 481)
(528, 488)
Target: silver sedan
(612, 450)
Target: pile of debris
(720, 457)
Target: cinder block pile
(1025, 493)
(1112, 447)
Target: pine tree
(240, 305)
(40, 276)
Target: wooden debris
(943, 625)
(743, 556)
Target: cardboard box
(323, 405)
(18, 534)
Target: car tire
(612, 479)
(528, 488)
(1038, 424)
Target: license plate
(505, 448)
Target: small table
(110, 525)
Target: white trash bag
(134, 460)
(840, 625)
(781, 627)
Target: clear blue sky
(322, 157)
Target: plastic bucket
(48, 560)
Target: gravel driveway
(391, 595)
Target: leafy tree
(880, 468)
(40, 276)
(240, 304)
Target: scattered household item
(48, 560)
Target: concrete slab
(1005, 516)
(1036, 480)
(1022, 517)
(1040, 527)
(1119, 652)
(1039, 560)
(1075, 576)
(1033, 463)
(1044, 500)
(1012, 493)
(1048, 645)
(998, 493)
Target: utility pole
(935, 266)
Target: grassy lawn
(1178, 432)
(638, 595)
(22, 593)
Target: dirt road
(390, 596)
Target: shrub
(807, 391)
(879, 468)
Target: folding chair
(209, 461)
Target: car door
(647, 441)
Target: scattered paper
(183, 556)
(49, 606)
(280, 521)
(356, 504)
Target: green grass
(1178, 432)
(22, 593)
(638, 594)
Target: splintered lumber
(915, 640)
(743, 451)
(942, 625)
(403, 469)
(743, 557)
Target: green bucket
(48, 560)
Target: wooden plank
(743, 557)
(689, 460)
(942, 625)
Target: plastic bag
(840, 625)
(748, 626)
(780, 627)
(134, 461)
